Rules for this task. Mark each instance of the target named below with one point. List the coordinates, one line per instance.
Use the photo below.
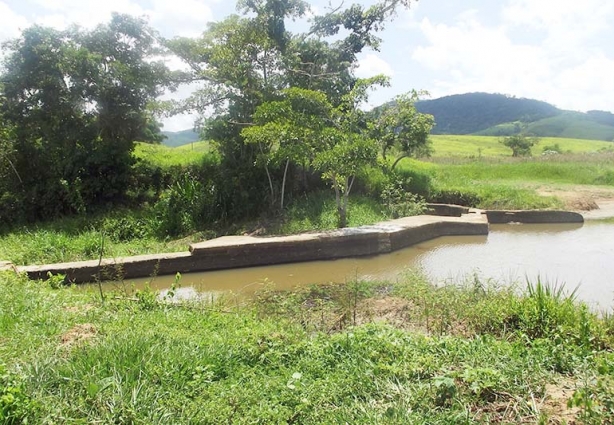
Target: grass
(319, 212)
(505, 182)
(486, 146)
(458, 354)
(166, 157)
(123, 233)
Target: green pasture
(164, 156)
(477, 146)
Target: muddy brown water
(570, 254)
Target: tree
(77, 100)
(287, 130)
(400, 127)
(520, 144)
(304, 125)
(246, 61)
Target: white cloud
(62, 13)
(560, 61)
(186, 18)
(10, 22)
(371, 65)
(566, 22)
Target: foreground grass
(469, 354)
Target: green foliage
(552, 148)
(15, 404)
(400, 203)
(400, 128)
(182, 207)
(78, 238)
(520, 144)
(318, 211)
(86, 105)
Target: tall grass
(165, 157)
(126, 232)
(319, 212)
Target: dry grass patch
(78, 335)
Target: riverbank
(402, 352)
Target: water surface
(570, 254)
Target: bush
(467, 199)
(400, 203)
(182, 207)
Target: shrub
(181, 208)
(468, 199)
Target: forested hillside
(180, 138)
(500, 115)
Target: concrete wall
(533, 216)
(245, 251)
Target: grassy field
(488, 146)
(165, 156)
(399, 353)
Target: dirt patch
(392, 310)
(79, 309)
(78, 335)
(583, 198)
(555, 403)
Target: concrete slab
(247, 251)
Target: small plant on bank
(400, 203)
(15, 404)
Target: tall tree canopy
(251, 59)
(77, 100)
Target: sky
(558, 51)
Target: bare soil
(78, 335)
(594, 202)
(555, 403)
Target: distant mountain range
(500, 115)
(490, 115)
(180, 138)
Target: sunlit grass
(165, 156)
(476, 146)
(467, 353)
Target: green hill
(499, 115)
(473, 112)
(180, 138)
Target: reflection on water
(565, 253)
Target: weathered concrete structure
(247, 251)
(533, 217)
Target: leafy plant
(400, 203)
(520, 144)
(15, 404)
